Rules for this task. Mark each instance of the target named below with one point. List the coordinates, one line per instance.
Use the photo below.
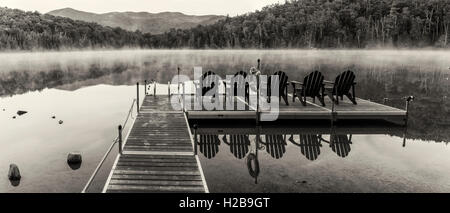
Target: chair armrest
(296, 82)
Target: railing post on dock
(120, 139)
(168, 86)
(257, 107)
(145, 87)
(408, 99)
(195, 138)
(333, 113)
(137, 97)
(184, 106)
(178, 81)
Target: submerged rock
(20, 112)
(14, 173)
(74, 158)
(61, 122)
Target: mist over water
(381, 74)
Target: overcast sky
(192, 7)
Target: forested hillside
(293, 24)
(325, 24)
(154, 23)
(21, 30)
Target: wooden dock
(157, 154)
(364, 110)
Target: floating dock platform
(364, 110)
(158, 152)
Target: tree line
(293, 24)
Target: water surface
(92, 92)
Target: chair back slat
(341, 145)
(310, 146)
(282, 79)
(239, 145)
(209, 145)
(344, 82)
(275, 146)
(208, 81)
(312, 83)
(239, 82)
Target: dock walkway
(157, 153)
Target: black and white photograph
(224, 97)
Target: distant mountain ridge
(154, 23)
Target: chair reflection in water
(275, 145)
(209, 145)
(340, 144)
(239, 145)
(309, 145)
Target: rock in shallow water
(14, 173)
(20, 112)
(74, 158)
(61, 122)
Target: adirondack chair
(309, 145)
(283, 86)
(341, 86)
(208, 82)
(239, 145)
(209, 145)
(312, 86)
(340, 144)
(275, 145)
(240, 83)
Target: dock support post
(137, 97)
(408, 99)
(195, 138)
(145, 87)
(168, 86)
(154, 89)
(120, 139)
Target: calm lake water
(92, 91)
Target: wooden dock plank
(158, 154)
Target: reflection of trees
(429, 113)
(19, 82)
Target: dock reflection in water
(268, 158)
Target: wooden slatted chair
(208, 82)
(275, 145)
(341, 86)
(312, 86)
(239, 83)
(283, 86)
(309, 145)
(239, 145)
(209, 145)
(340, 144)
